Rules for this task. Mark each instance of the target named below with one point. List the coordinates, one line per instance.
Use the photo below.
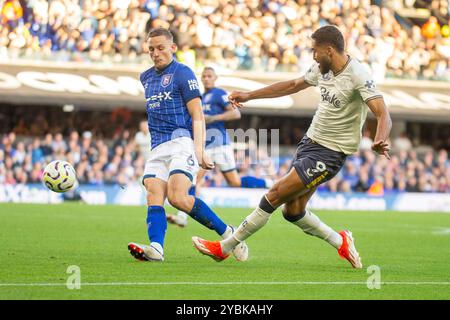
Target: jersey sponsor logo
(332, 99)
(193, 85)
(317, 180)
(160, 96)
(153, 105)
(207, 107)
(166, 80)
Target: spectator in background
(366, 141)
(12, 13)
(19, 154)
(411, 184)
(259, 35)
(37, 155)
(445, 30)
(143, 140)
(431, 28)
(58, 144)
(350, 175)
(363, 183)
(377, 187)
(47, 145)
(186, 55)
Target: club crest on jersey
(166, 80)
(207, 98)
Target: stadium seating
(119, 160)
(256, 35)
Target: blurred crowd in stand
(267, 35)
(120, 160)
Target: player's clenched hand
(206, 162)
(236, 98)
(381, 147)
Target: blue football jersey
(214, 102)
(167, 93)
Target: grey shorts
(316, 164)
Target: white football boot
(180, 219)
(240, 252)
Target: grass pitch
(39, 242)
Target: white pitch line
(114, 284)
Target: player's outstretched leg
(342, 241)
(221, 250)
(201, 212)
(156, 223)
(312, 225)
(288, 187)
(156, 229)
(348, 250)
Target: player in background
(143, 140)
(346, 90)
(218, 110)
(177, 129)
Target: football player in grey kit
(347, 90)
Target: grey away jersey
(342, 109)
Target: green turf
(39, 242)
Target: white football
(59, 176)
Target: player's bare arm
(275, 90)
(230, 114)
(199, 131)
(384, 125)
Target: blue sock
(156, 224)
(252, 182)
(203, 214)
(191, 191)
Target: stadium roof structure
(91, 87)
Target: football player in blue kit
(177, 128)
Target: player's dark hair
(156, 32)
(329, 35)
